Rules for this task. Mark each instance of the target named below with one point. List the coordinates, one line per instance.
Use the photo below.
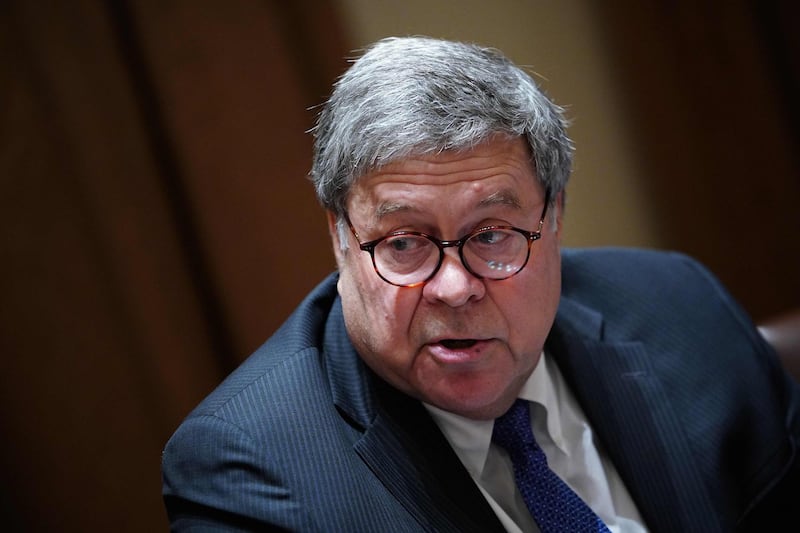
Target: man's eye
(406, 244)
(400, 244)
(490, 237)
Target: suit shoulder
(288, 364)
(633, 269)
(647, 286)
(618, 259)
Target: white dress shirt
(564, 434)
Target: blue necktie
(553, 505)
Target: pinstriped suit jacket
(685, 397)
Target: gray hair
(414, 96)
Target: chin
(473, 402)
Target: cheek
(531, 306)
(377, 317)
(377, 314)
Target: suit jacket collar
(625, 402)
(351, 381)
(614, 382)
(402, 444)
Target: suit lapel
(402, 445)
(427, 478)
(623, 398)
(616, 387)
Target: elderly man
(461, 372)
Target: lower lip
(474, 353)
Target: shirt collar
(471, 438)
(544, 388)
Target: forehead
(496, 173)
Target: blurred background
(156, 222)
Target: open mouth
(458, 344)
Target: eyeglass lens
(408, 258)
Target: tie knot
(513, 429)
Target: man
(388, 399)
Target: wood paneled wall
(156, 223)
(714, 95)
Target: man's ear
(333, 231)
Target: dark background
(156, 224)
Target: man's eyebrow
(388, 208)
(506, 197)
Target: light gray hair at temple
(414, 96)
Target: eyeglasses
(411, 258)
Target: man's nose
(453, 283)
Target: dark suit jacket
(683, 394)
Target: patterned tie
(553, 505)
